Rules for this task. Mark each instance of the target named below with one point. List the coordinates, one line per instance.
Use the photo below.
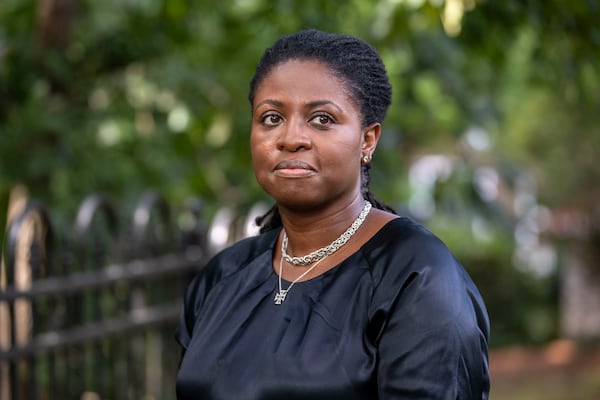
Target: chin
(297, 202)
(296, 193)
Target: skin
(307, 142)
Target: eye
(271, 119)
(321, 121)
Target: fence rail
(92, 315)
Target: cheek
(346, 154)
(259, 154)
(345, 161)
(255, 145)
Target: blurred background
(492, 140)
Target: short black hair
(356, 63)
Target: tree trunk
(580, 300)
(54, 23)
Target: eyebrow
(318, 103)
(275, 103)
(312, 104)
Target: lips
(294, 164)
(294, 168)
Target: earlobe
(370, 138)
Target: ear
(370, 138)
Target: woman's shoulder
(408, 260)
(234, 258)
(223, 266)
(403, 238)
(246, 249)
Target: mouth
(294, 169)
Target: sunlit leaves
(154, 94)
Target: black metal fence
(91, 314)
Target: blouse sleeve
(193, 299)
(433, 344)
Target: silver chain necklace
(331, 248)
(280, 296)
(316, 256)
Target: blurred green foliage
(118, 96)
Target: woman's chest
(245, 346)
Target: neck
(310, 230)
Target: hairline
(347, 83)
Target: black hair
(356, 63)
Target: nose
(294, 136)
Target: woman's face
(306, 139)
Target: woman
(338, 297)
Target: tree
(118, 96)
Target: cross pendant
(280, 297)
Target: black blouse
(398, 319)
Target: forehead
(306, 78)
